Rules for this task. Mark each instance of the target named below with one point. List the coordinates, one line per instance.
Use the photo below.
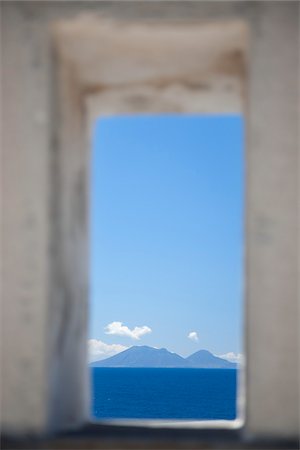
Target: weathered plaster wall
(272, 309)
(25, 226)
(69, 271)
(51, 91)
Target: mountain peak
(142, 356)
(206, 359)
(203, 352)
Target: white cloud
(193, 336)
(98, 350)
(232, 357)
(119, 329)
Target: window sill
(103, 435)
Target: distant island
(145, 356)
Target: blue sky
(167, 233)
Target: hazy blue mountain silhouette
(206, 360)
(145, 356)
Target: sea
(164, 393)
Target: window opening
(165, 336)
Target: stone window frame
(56, 222)
(216, 83)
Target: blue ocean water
(146, 393)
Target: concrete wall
(57, 76)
